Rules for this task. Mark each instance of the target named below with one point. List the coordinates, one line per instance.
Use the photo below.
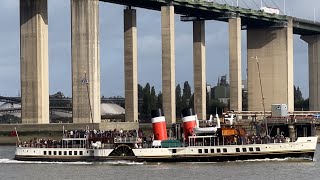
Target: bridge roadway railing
(216, 7)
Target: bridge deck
(222, 12)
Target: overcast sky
(149, 46)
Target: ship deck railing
(39, 145)
(221, 141)
(126, 140)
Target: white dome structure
(14, 106)
(111, 109)
(9, 106)
(106, 109)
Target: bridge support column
(199, 68)
(168, 63)
(85, 61)
(130, 65)
(273, 48)
(314, 71)
(235, 64)
(34, 61)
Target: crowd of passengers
(49, 143)
(101, 133)
(238, 140)
(228, 140)
(41, 143)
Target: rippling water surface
(279, 169)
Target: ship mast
(262, 97)
(85, 81)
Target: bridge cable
(246, 4)
(235, 4)
(215, 1)
(265, 3)
(256, 4)
(277, 6)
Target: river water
(279, 169)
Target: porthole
(225, 150)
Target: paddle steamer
(196, 141)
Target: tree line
(184, 99)
(152, 100)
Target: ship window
(44, 152)
(70, 153)
(60, 153)
(218, 151)
(206, 151)
(55, 153)
(244, 149)
(65, 153)
(251, 149)
(174, 151)
(81, 153)
(212, 150)
(75, 153)
(257, 149)
(49, 152)
(199, 150)
(225, 150)
(237, 149)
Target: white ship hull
(304, 147)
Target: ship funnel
(189, 122)
(159, 125)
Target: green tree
(297, 94)
(300, 104)
(140, 91)
(146, 104)
(191, 102)
(186, 96)
(153, 99)
(178, 101)
(159, 102)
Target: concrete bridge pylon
(34, 61)
(273, 49)
(85, 61)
